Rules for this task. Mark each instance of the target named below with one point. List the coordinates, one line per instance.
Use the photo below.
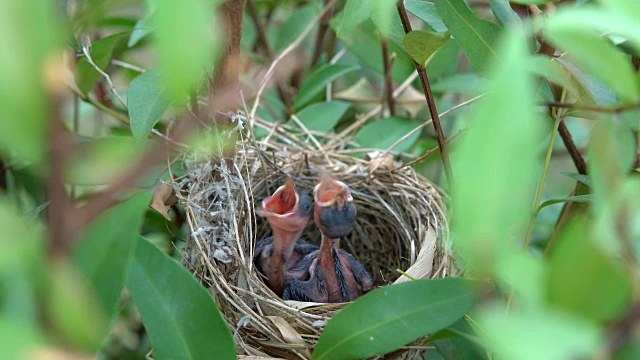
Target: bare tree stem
(424, 80)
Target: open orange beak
(283, 202)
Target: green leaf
(389, 317)
(86, 75)
(597, 56)
(355, 12)
(426, 12)
(387, 21)
(422, 44)
(577, 198)
(294, 26)
(381, 134)
(105, 250)
(539, 335)
(584, 279)
(177, 24)
(579, 177)
(323, 116)
(495, 141)
(140, 31)
(476, 36)
(503, 12)
(147, 102)
(180, 316)
(318, 80)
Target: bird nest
(400, 231)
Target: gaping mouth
(283, 202)
(330, 191)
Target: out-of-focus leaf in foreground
(181, 317)
(105, 250)
(584, 279)
(496, 163)
(539, 335)
(185, 42)
(29, 34)
(389, 317)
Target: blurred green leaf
(421, 44)
(141, 30)
(630, 351)
(98, 160)
(594, 90)
(85, 74)
(355, 12)
(476, 36)
(18, 340)
(387, 21)
(105, 249)
(389, 317)
(181, 317)
(528, 2)
(147, 102)
(526, 276)
(323, 116)
(318, 80)
(74, 311)
(31, 42)
(584, 279)
(177, 25)
(597, 56)
(381, 134)
(550, 69)
(539, 335)
(294, 26)
(504, 13)
(495, 141)
(426, 11)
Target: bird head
(334, 210)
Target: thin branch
(322, 30)
(85, 51)
(428, 153)
(264, 44)
(597, 108)
(126, 65)
(285, 52)
(387, 63)
(424, 80)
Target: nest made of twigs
(400, 224)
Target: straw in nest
(400, 224)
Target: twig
(264, 44)
(424, 124)
(428, 153)
(285, 52)
(322, 30)
(598, 108)
(424, 80)
(388, 81)
(127, 65)
(85, 51)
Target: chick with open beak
(288, 211)
(334, 274)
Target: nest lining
(400, 224)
